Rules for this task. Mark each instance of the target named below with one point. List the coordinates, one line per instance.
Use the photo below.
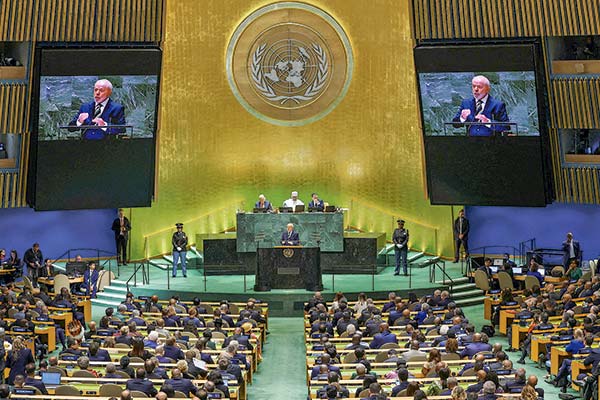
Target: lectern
(288, 267)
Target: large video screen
(94, 124)
(483, 119)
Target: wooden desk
(50, 282)
(577, 368)
(47, 335)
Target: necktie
(98, 110)
(479, 107)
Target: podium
(288, 267)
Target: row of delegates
(316, 203)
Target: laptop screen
(494, 269)
(498, 261)
(542, 271)
(517, 270)
(51, 378)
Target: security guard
(180, 242)
(400, 239)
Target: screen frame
(454, 64)
(41, 67)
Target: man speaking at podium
(290, 236)
(482, 109)
(101, 112)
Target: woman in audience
(433, 357)
(17, 359)
(137, 350)
(534, 271)
(412, 388)
(183, 367)
(528, 393)
(337, 299)
(361, 304)
(458, 393)
(452, 346)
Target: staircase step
(415, 257)
(471, 301)
(105, 302)
(457, 281)
(462, 287)
(469, 293)
(118, 289)
(110, 295)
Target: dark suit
(36, 383)
(461, 226)
(494, 109)
(143, 385)
(90, 282)
(183, 385)
(567, 252)
(113, 114)
(290, 238)
(121, 239)
(320, 206)
(266, 205)
(34, 261)
(381, 338)
(17, 364)
(400, 237)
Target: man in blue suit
(482, 108)
(384, 336)
(316, 203)
(571, 250)
(290, 236)
(477, 346)
(263, 203)
(90, 280)
(101, 112)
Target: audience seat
(67, 390)
(110, 390)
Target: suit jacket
(143, 385)
(183, 385)
(17, 364)
(320, 206)
(291, 237)
(567, 251)
(116, 227)
(465, 228)
(474, 348)
(494, 109)
(381, 338)
(267, 205)
(113, 114)
(36, 383)
(90, 278)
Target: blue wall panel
(549, 225)
(56, 231)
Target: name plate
(288, 271)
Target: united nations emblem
(288, 253)
(289, 63)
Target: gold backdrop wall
(214, 157)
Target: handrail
(214, 221)
(145, 274)
(526, 245)
(436, 264)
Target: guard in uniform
(180, 242)
(400, 239)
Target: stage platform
(282, 302)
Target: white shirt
(571, 250)
(483, 101)
(293, 203)
(102, 107)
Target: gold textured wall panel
(366, 153)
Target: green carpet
(282, 373)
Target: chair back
(381, 357)
(104, 279)
(531, 281)
(504, 280)
(61, 281)
(180, 395)
(110, 390)
(67, 390)
(27, 283)
(35, 390)
(469, 372)
(137, 393)
(389, 346)
(122, 346)
(123, 374)
(57, 369)
(81, 373)
(233, 309)
(558, 271)
(218, 335)
(136, 360)
(587, 276)
(481, 280)
(364, 393)
(350, 358)
(417, 358)
(450, 356)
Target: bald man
(100, 112)
(481, 111)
